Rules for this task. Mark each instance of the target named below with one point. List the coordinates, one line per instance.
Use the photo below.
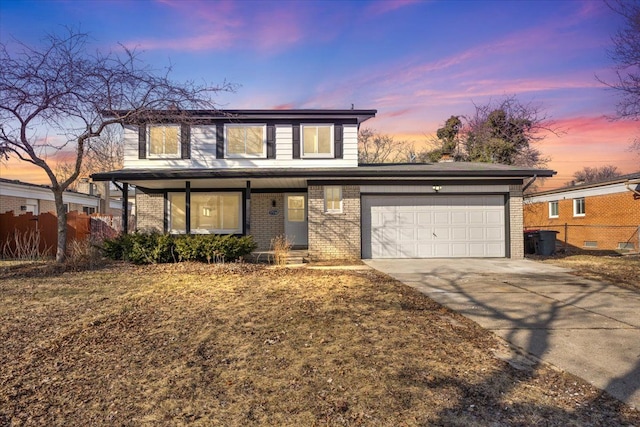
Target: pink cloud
(381, 7)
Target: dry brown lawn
(242, 345)
(623, 271)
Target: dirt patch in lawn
(623, 271)
(238, 345)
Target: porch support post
(187, 199)
(247, 209)
(125, 207)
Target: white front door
(295, 219)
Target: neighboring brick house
(21, 197)
(602, 215)
(295, 172)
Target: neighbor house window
(590, 244)
(333, 199)
(579, 207)
(627, 246)
(211, 213)
(88, 210)
(163, 141)
(553, 209)
(317, 140)
(246, 141)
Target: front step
(268, 257)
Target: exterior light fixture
(437, 188)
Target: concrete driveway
(587, 328)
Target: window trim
(327, 189)
(262, 155)
(557, 205)
(575, 207)
(330, 154)
(193, 230)
(176, 155)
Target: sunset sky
(416, 62)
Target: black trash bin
(546, 242)
(531, 241)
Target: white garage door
(433, 226)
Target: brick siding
(516, 223)
(265, 226)
(334, 235)
(609, 219)
(149, 211)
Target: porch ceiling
(256, 183)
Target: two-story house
(296, 172)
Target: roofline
(628, 178)
(360, 115)
(124, 175)
(43, 186)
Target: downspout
(528, 184)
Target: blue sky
(416, 62)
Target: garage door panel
(433, 226)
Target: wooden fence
(43, 229)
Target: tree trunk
(61, 250)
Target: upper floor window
(333, 199)
(553, 209)
(245, 141)
(163, 141)
(317, 140)
(579, 208)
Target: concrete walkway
(587, 328)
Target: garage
(433, 226)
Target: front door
(295, 219)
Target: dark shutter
(142, 141)
(271, 142)
(337, 141)
(219, 141)
(185, 141)
(296, 141)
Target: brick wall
(11, 203)
(609, 219)
(334, 235)
(516, 223)
(264, 226)
(149, 211)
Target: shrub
(281, 246)
(153, 248)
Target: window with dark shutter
(296, 141)
(271, 142)
(185, 141)
(219, 141)
(337, 141)
(142, 141)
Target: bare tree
(103, 153)
(374, 147)
(504, 131)
(588, 174)
(626, 55)
(61, 88)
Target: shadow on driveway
(587, 328)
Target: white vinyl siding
(203, 152)
(447, 226)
